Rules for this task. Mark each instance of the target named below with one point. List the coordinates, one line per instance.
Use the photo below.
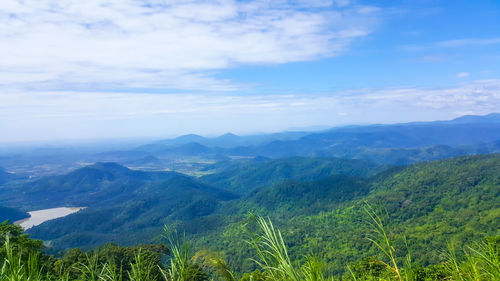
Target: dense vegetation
(431, 204)
(4, 176)
(12, 214)
(245, 176)
(139, 203)
(22, 259)
(434, 220)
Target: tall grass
(14, 267)
(479, 262)
(111, 273)
(90, 269)
(213, 261)
(181, 266)
(142, 269)
(380, 238)
(273, 258)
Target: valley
(262, 140)
(430, 183)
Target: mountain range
(435, 182)
(432, 203)
(396, 144)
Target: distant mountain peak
(108, 165)
(489, 118)
(228, 135)
(192, 145)
(189, 136)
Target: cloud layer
(178, 44)
(59, 115)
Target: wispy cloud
(456, 43)
(479, 96)
(468, 42)
(177, 44)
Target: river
(41, 216)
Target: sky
(109, 69)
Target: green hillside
(133, 203)
(139, 203)
(424, 208)
(430, 204)
(5, 176)
(243, 177)
(101, 184)
(12, 214)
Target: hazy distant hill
(227, 140)
(397, 140)
(128, 206)
(398, 144)
(4, 176)
(490, 118)
(188, 149)
(394, 144)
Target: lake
(41, 216)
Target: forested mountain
(316, 200)
(139, 203)
(109, 184)
(119, 201)
(11, 214)
(245, 176)
(430, 203)
(396, 144)
(87, 186)
(137, 216)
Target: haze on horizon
(151, 68)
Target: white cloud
(60, 115)
(166, 44)
(480, 96)
(463, 74)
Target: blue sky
(152, 68)
(408, 46)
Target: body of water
(41, 216)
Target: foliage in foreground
(23, 260)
